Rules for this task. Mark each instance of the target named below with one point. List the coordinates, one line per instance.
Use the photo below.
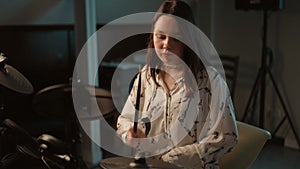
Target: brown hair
(182, 10)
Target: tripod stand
(260, 83)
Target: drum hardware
(23, 137)
(51, 160)
(56, 102)
(53, 151)
(26, 144)
(47, 148)
(15, 81)
(123, 163)
(12, 78)
(52, 144)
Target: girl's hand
(132, 138)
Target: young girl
(186, 101)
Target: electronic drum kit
(55, 102)
(51, 102)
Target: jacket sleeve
(218, 136)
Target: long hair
(182, 10)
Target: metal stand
(260, 83)
(2, 116)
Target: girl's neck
(174, 70)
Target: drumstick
(137, 103)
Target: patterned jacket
(191, 127)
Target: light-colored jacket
(191, 127)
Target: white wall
(109, 10)
(20, 12)
(239, 33)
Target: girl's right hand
(133, 138)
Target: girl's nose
(166, 43)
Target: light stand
(260, 83)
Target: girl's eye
(160, 36)
(163, 37)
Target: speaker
(259, 4)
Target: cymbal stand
(260, 83)
(2, 115)
(2, 69)
(76, 141)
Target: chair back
(250, 143)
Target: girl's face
(165, 35)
